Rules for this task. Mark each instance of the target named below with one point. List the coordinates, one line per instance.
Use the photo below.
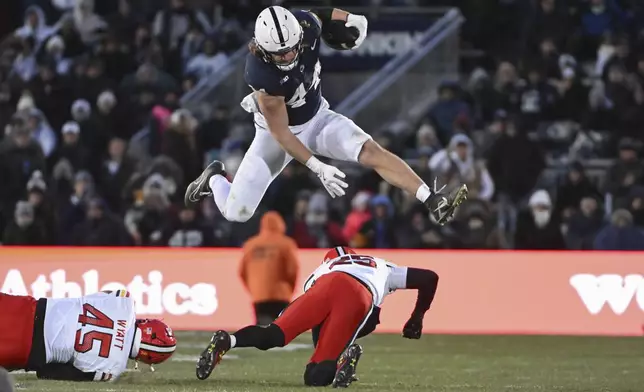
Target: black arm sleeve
(63, 372)
(426, 282)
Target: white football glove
(329, 175)
(359, 22)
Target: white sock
(220, 189)
(423, 193)
(233, 341)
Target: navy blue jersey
(300, 86)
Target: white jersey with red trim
(96, 333)
(380, 276)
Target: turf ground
(391, 363)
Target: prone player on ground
(339, 298)
(294, 121)
(89, 338)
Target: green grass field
(391, 363)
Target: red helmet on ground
(157, 341)
(338, 251)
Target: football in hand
(338, 36)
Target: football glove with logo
(330, 176)
(359, 22)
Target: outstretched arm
(426, 282)
(423, 280)
(274, 110)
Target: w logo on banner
(614, 290)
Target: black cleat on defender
(212, 355)
(199, 188)
(347, 365)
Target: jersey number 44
(299, 97)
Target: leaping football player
(293, 120)
(341, 300)
(89, 338)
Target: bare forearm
(328, 14)
(276, 116)
(338, 14)
(292, 145)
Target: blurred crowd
(95, 148)
(97, 151)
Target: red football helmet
(157, 341)
(338, 251)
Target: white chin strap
(136, 344)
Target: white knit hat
(26, 102)
(71, 127)
(540, 198)
(81, 108)
(106, 98)
(55, 42)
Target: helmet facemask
(269, 57)
(157, 343)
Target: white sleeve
(397, 278)
(439, 162)
(487, 186)
(193, 64)
(157, 26)
(203, 20)
(63, 5)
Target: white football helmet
(277, 33)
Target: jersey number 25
(94, 317)
(365, 261)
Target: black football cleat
(199, 188)
(442, 205)
(212, 355)
(347, 365)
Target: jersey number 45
(94, 317)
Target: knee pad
(237, 214)
(273, 337)
(319, 374)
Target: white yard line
(293, 347)
(289, 348)
(195, 358)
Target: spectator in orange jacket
(269, 268)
